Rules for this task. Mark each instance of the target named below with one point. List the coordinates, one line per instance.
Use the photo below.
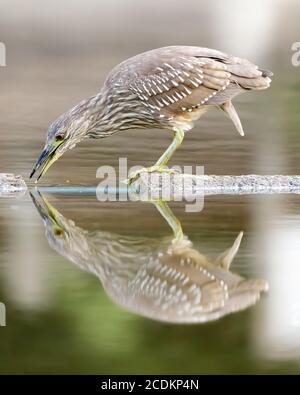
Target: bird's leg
(173, 221)
(163, 160)
(177, 140)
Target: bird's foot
(152, 169)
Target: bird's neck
(110, 112)
(100, 117)
(88, 115)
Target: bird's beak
(42, 205)
(46, 159)
(48, 213)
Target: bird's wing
(176, 79)
(182, 84)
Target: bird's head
(55, 223)
(62, 135)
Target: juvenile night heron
(165, 88)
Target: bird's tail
(258, 83)
(266, 73)
(230, 111)
(248, 76)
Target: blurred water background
(59, 319)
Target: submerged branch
(178, 185)
(11, 185)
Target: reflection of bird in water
(166, 280)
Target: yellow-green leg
(173, 221)
(163, 160)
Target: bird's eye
(59, 137)
(59, 232)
